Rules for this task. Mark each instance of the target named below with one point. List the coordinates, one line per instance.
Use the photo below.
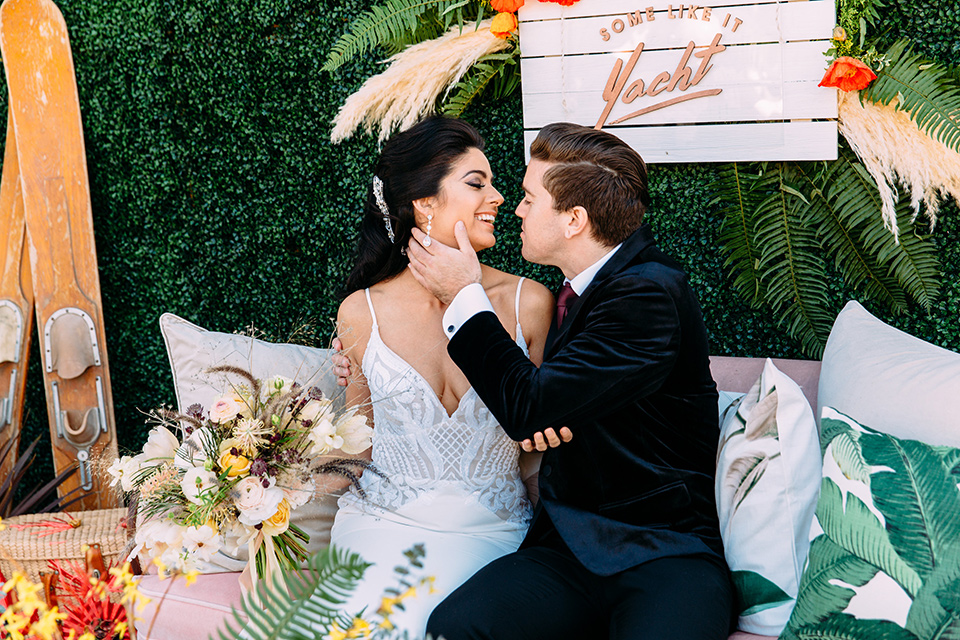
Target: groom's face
(542, 229)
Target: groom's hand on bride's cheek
(546, 439)
(341, 363)
(444, 270)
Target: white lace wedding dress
(452, 484)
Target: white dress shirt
(472, 299)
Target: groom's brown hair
(597, 171)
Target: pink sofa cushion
(186, 612)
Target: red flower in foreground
(849, 74)
(506, 6)
(563, 3)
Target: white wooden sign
(732, 81)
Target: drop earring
(428, 241)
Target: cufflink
(450, 329)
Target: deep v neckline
(423, 380)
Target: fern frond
(924, 89)
(792, 273)
(911, 261)
(390, 23)
(738, 197)
(476, 81)
(839, 222)
(299, 604)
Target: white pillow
(890, 380)
(768, 478)
(192, 350)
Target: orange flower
(849, 74)
(506, 6)
(503, 25)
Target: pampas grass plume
(896, 152)
(400, 96)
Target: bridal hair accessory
(428, 241)
(382, 204)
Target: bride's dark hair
(412, 165)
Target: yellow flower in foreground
(503, 25)
(190, 577)
(359, 629)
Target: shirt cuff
(470, 301)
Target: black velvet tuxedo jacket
(629, 373)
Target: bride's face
(466, 194)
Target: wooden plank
(552, 11)
(16, 302)
(56, 197)
(728, 143)
(760, 24)
(571, 88)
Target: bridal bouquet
(230, 475)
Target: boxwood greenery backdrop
(218, 196)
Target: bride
(452, 480)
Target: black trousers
(544, 593)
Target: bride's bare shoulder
(353, 319)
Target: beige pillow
(192, 350)
(890, 380)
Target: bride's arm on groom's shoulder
(536, 314)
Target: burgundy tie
(565, 299)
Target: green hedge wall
(217, 195)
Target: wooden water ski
(56, 197)
(16, 302)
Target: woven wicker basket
(24, 550)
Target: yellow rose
(503, 25)
(238, 465)
(278, 522)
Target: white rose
(226, 408)
(202, 541)
(196, 482)
(314, 410)
(157, 535)
(124, 470)
(355, 434)
(256, 502)
(323, 436)
(161, 445)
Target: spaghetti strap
(520, 339)
(517, 302)
(370, 304)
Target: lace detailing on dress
(420, 448)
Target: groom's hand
(546, 439)
(341, 363)
(444, 270)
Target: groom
(624, 542)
